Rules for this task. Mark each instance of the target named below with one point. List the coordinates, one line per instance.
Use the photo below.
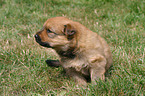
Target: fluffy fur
(83, 53)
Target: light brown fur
(83, 53)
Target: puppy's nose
(37, 37)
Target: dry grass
(23, 70)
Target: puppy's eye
(49, 31)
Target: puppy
(82, 52)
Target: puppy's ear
(69, 30)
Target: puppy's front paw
(53, 63)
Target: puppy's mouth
(44, 44)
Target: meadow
(23, 70)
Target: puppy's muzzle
(38, 40)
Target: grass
(23, 70)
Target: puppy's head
(58, 33)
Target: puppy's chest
(79, 65)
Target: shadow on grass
(55, 64)
(109, 71)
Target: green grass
(23, 70)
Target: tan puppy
(82, 52)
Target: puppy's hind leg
(53, 63)
(97, 70)
(97, 73)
